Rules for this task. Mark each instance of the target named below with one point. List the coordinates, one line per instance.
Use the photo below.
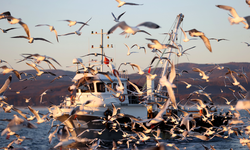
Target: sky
(201, 15)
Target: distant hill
(215, 86)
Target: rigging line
(173, 25)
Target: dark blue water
(39, 137)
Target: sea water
(39, 137)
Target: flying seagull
(132, 30)
(78, 31)
(5, 30)
(52, 29)
(121, 3)
(72, 23)
(196, 33)
(235, 19)
(118, 18)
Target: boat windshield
(100, 86)
(87, 88)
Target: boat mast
(173, 35)
(101, 46)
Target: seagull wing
(42, 39)
(122, 25)
(120, 15)
(231, 9)
(6, 85)
(113, 16)
(35, 113)
(149, 25)
(84, 24)
(25, 27)
(206, 42)
(67, 34)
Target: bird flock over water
(181, 128)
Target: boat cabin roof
(97, 77)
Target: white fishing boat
(98, 112)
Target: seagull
(126, 63)
(44, 93)
(52, 29)
(169, 84)
(27, 100)
(158, 45)
(59, 77)
(121, 3)
(139, 47)
(72, 23)
(78, 31)
(118, 18)
(39, 73)
(236, 18)
(246, 43)
(183, 52)
(31, 39)
(8, 70)
(5, 87)
(129, 53)
(188, 85)
(5, 30)
(38, 118)
(132, 30)
(138, 67)
(38, 58)
(227, 102)
(196, 33)
(139, 92)
(202, 73)
(218, 40)
(16, 124)
(185, 35)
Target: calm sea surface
(39, 137)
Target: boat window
(100, 86)
(110, 85)
(114, 86)
(85, 88)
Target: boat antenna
(174, 35)
(101, 46)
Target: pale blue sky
(200, 14)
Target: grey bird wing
(120, 15)
(149, 25)
(131, 4)
(122, 25)
(144, 32)
(84, 24)
(10, 29)
(42, 39)
(55, 61)
(42, 25)
(113, 16)
(6, 85)
(50, 64)
(25, 27)
(247, 18)
(25, 37)
(206, 42)
(67, 34)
